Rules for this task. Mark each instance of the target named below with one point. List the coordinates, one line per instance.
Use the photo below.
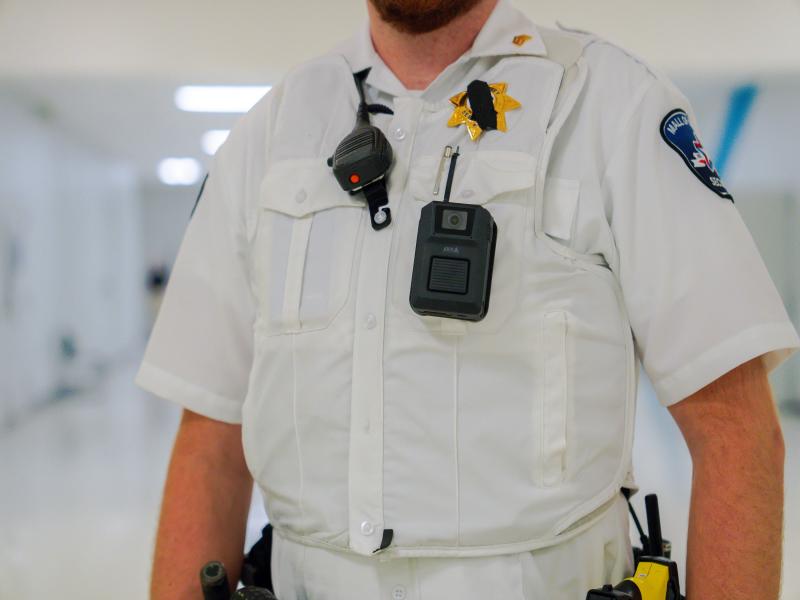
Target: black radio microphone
(363, 159)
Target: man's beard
(421, 16)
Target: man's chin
(421, 16)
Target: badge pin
(482, 108)
(521, 40)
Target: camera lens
(454, 220)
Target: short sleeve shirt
(201, 348)
(699, 299)
(698, 296)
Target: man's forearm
(205, 507)
(735, 525)
(736, 515)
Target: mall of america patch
(677, 131)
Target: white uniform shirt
(365, 424)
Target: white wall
(166, 213)
(773, 217)
(70, 259)
(247, 39)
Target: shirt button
(370, 321)
(301, 196)
(399, 593)
(367, 528)
(467, 194)
(399, 134)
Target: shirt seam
(637, 103)
(301, 494)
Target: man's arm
(736, 515)
(204, 511)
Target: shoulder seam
(638, 98)
(636, 103)
(588, 39)
(634, 57)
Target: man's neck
(417, 59)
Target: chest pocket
(559, 208)
(304, 247)
(500, 181)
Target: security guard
(420, 457)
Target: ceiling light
(179, 171)
(213, 139)
(219, 98)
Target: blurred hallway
(83, 485)
(90, 226)
(82, 481)
(85, 452)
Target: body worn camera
(452, 274)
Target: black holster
(256, 566)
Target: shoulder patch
(679, 134)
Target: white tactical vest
(372, 429)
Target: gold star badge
(462, 113)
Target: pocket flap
(303, 186)
(560, 205)
(479, 176)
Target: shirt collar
(358, 50)
(507, 32)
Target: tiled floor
(80, 484)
